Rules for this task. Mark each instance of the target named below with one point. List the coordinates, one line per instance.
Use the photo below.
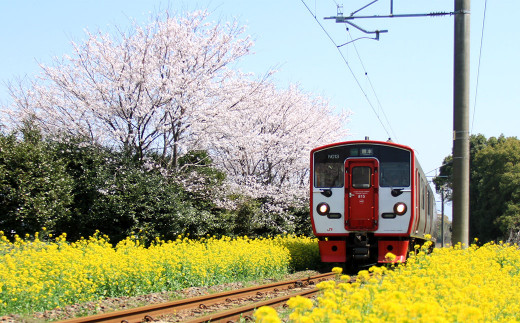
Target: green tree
(494, 186)
(497, 192)
(35, 189)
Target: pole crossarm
(410, 15)
(340, 18)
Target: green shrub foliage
(70, 185)
(35, 189)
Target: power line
(348, 66)
(372, 87)
(478, 68)
(336, 3)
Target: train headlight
(400, 208)
(323, 208)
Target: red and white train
(369, 198)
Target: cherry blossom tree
(264, 139)
(140, 91)
(170, 87)
(269, 134)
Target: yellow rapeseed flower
(266, 314)
(47, 274)
(452, 284)
(390, 256)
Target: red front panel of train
(361, 194)
(333, 251)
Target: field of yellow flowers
(474, 284)
(45, 272)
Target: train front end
(362, 201)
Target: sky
(400, 86)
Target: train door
(361, 194)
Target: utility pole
(460, 194)
(442, 217)
(461, 123)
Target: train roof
(366, 142)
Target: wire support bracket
(377, 32)
(341, 18)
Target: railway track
(254, 296)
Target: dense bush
(35, 188)
(69, 185)
(117, 196)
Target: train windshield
(328, 175)
(394, 163)
(395, 174)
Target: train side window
(432, 203)
(328, 175)
(428, 203)
(361, 176)
(419, 189)
(423, 203)
(395, 174)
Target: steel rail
(146, 313)
(246, 311)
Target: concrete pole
(442, 218)
(461, 123)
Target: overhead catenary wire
(478, 67)
(349, 68)
(372, 87)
